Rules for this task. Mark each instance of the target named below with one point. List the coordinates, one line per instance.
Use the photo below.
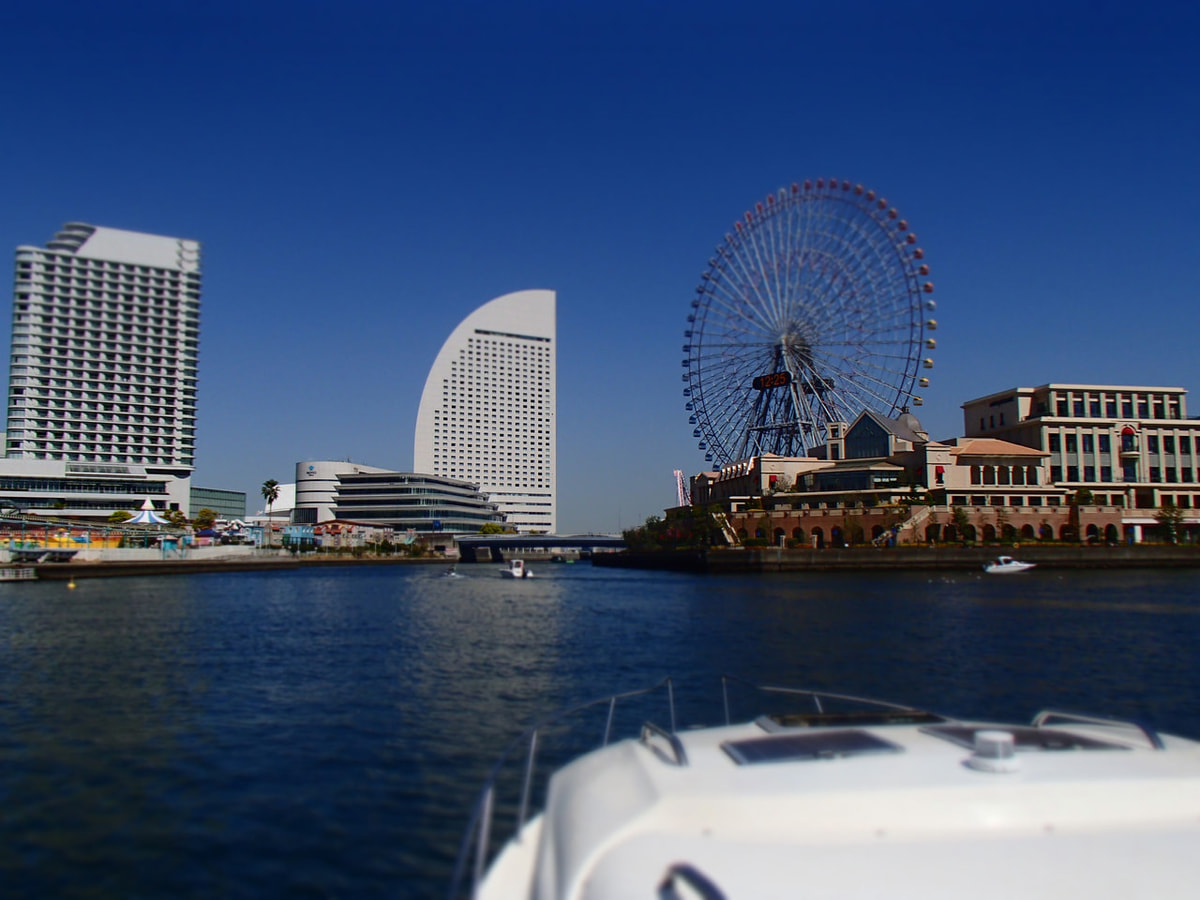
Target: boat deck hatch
(1025, 737)
(801, 747)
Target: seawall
(775, 559)
(73, 570)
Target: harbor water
(324, 733)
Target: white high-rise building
(488, 414)
(102, 377)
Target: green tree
(1170, 517)
(121, 515)
(206, 518)
(270, 492)
(1083, 497)
(176, 519)
(961, 519)
(492, 528)
(650, 536)
(1001, 522)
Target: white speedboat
(855, 799)
(516, 569)
(1006, 565)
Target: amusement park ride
(814, 308)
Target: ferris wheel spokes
(818, 285)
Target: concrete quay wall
(263, 563)
(774, 559)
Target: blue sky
(364, 175)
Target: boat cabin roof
(923, 807)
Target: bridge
(500, 545)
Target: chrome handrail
(478, 833)
(814, 695)
(691, 876)
(650, 730)
(1152, 736)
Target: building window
(1143, 409)
(1077, 407)
(1168, 444)
(1089, 474)
(1110, 408)
(1056, 474)
(1061, 408)
(1072, 473)
(1185, 445)
(1152, 443)
(1072, 443)
(1155, 475)
(1055, 443)
(1094, 407)
(1129, 474)
(1172, 477)
(1106, 473)
(1127, 408)
(1089, 443)
(1105, 444)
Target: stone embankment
(775, 559)
(73, 570)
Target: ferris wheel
(813, 309)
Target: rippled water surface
(324, 733)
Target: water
(324, 733)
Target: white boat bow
(855, 799)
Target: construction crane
(681, 489)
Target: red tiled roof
(994, 447)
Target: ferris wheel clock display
(813, 309)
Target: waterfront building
(317, 487)
(103, 372)
(488, 410)
(425, 505)
(1090, 463)
(880, 479)
(1126, 446)
(226, 504)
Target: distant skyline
(362, 177)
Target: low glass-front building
(424, 503)
(403, 501)
(226, 504)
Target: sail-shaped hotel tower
(487, 413)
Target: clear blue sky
(364, 175)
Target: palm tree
(270, 492)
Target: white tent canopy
(147, 516)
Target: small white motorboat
(1006, 565)
(516, 569)
(848, 798)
